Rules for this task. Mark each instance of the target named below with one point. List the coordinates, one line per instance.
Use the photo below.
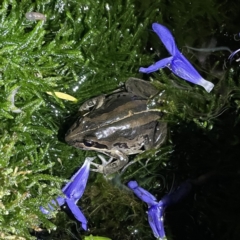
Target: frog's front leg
(110, 166)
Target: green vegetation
(85, 48)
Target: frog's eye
(88, 143)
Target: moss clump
(85, 48)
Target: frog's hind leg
(160, 134)
(140, 88)
(157, 137)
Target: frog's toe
(101, 167)
(126, 166)
(104, 161)
(98, 168)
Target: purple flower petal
(50, 207)
(77, 213)
(155, 219)
(73, 191)
(166, 37)
(156, 210)
(156, 66)
(142, 193)
(60, 200)
(178, 64)
(183, 68)
(44, 210)
(75, 188)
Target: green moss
(85, 48)
(89, 45)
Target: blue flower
(73, 191)
(155, 208)
(177, 63)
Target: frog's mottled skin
(118, 125)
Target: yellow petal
(63, 96)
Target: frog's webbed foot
(108, 167)
(100, 167)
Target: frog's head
(81, 136)
(74, 135)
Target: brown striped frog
(118, 125)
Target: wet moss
(91, 47)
